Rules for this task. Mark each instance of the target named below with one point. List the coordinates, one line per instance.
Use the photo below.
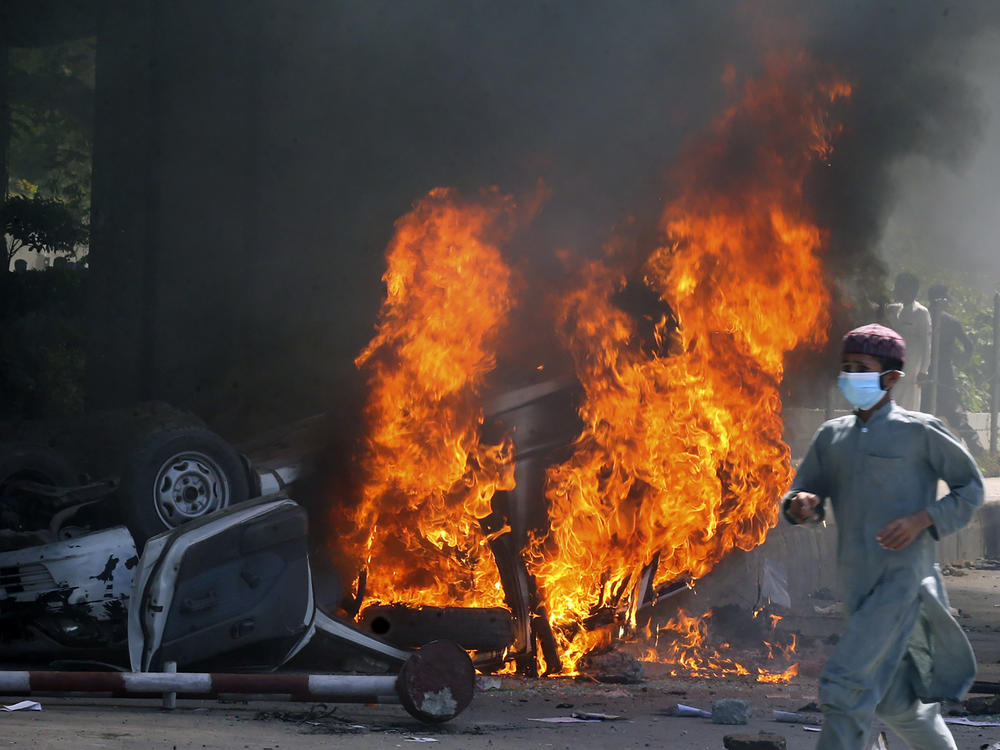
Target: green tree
(51, 92)
(42, 225)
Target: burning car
(651, 451)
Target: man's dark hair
(937, 291)
(907, 283)
(890, 364)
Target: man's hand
(803, 506)
(898, 534)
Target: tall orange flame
(682, 455)
(428, 476)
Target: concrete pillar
(124, 236)
(174, 207)
(4, 112)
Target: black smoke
(254, 154)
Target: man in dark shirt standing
(949, 334)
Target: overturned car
(169, 565)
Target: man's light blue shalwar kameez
(902, 652)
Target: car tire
(178, 475)
(36, 463)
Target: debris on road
(611, 667)
(590, 716)
(978, 705)
(24, 706)
(762, 741)
(794, 717)
(486, 682)
(731, 711)
(970, 723)
(681, 710)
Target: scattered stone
(731, 711)
(762, 741)
(612, 667)
(977, 706)
(488, 682)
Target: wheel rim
(189, 485)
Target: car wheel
(178, 475)
(20, 462)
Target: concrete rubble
(731, 711)
(762, 741)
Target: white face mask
(862, 389)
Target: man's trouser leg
(919, 724)
(864, 662)
(844, 732)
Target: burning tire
(19, 462)
(176, 476)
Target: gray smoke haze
(948, 211)
(287, 137)
(595, 98)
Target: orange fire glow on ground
(681, 454)
(682, 644)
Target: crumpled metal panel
(94, 572)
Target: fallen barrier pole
(435, 684)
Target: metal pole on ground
(435, 684)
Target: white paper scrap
(682, 710)
(566, 720)
(811, 729)
(970, 722)
(596, 717)
(420, 739)
(24, 706)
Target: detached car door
(230, 591)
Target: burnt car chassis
(226, 584)
(233, 589)
(79, 598)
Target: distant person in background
(913, 322)
(950, 333)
